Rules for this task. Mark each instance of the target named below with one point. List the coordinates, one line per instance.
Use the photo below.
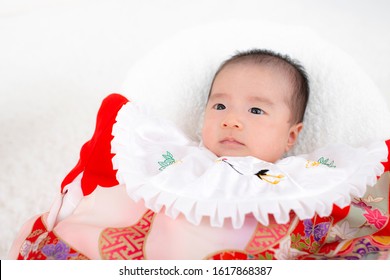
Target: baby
(256, 106)
(135, 165)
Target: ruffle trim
(220, 204)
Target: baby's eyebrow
(260, 99)
(218, 96)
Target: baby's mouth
(230, 141)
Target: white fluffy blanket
(344, 106)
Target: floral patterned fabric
(45, 245)
(359, 231)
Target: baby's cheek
(208, 143)
(208, 131)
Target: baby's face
(247, 113)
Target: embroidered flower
(371, 199)
(318, 231)
(310, 163)
(28, 246)
(327, 162)
(285, 252)
(168, 160)
(375, 217)
(59, 251)
(343, 231)
(25, 249)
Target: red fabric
(339, 214)
(387, 164)
(42, 244)
(95, 155)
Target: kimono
(175, 199)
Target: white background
(59, 58)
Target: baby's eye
(256, 111)
(219, 106)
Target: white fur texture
(344, 106)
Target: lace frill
(160, 165)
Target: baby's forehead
(276, 71)
(283, 70)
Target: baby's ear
(293, 135)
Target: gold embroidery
(265, 237)
(126, 243)
(310, 163)
(269, 178)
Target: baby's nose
(231, 122)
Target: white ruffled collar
(160, 165)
